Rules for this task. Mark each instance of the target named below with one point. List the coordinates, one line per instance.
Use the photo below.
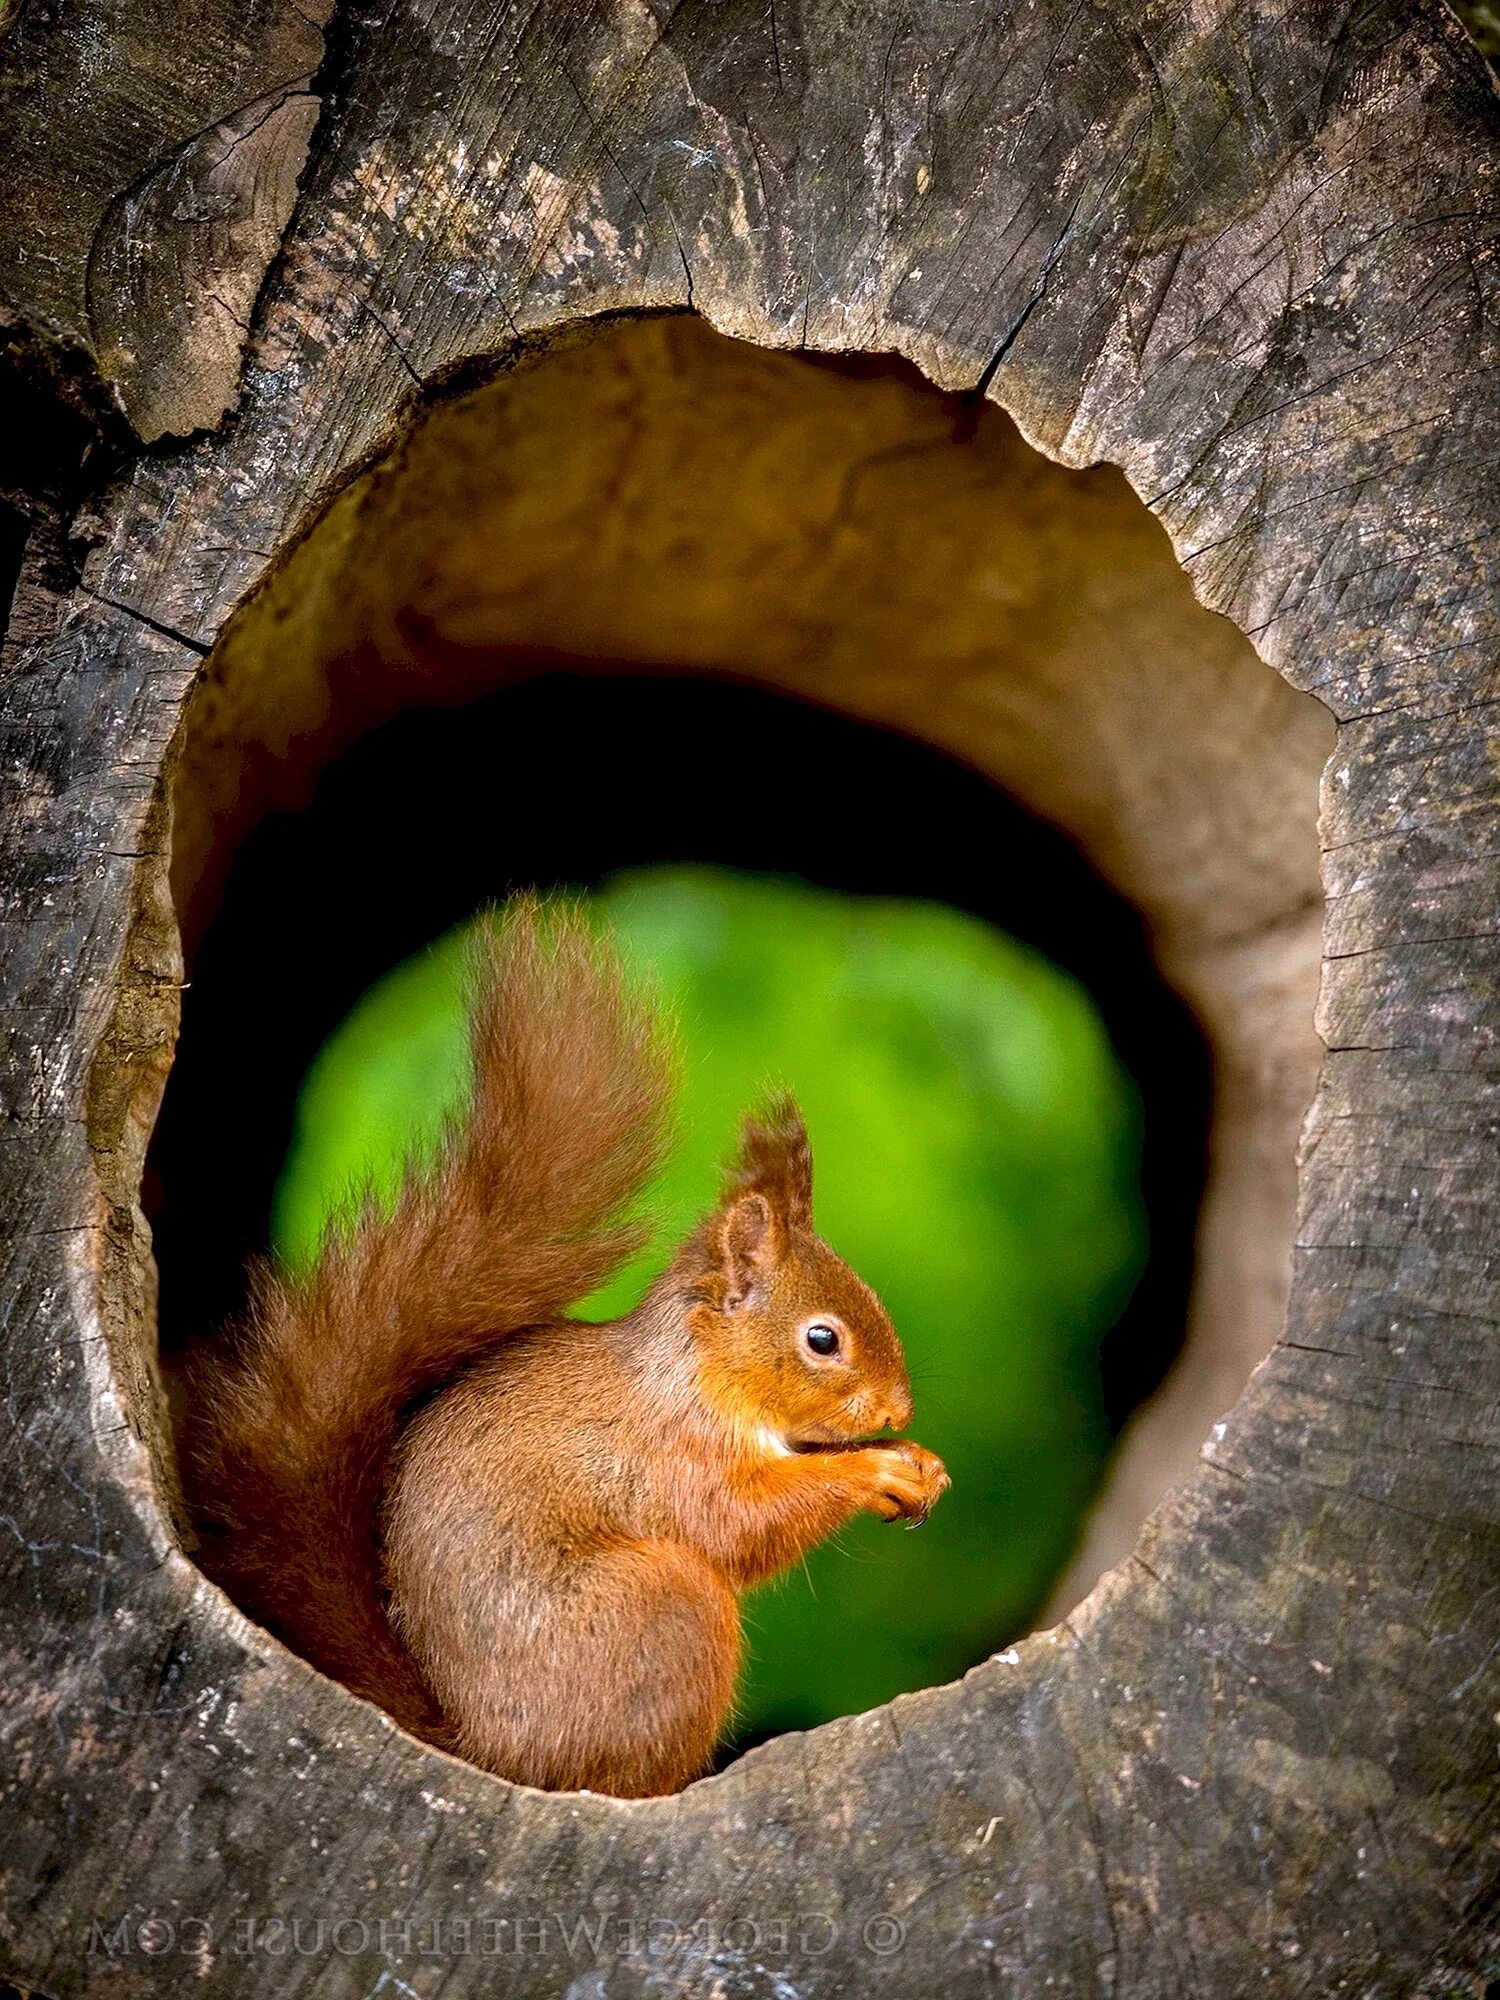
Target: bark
(152, 163)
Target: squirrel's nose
(897, 1412)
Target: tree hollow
(647, 492)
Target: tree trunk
(1248, 260)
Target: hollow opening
(439, 812)
(648, 595)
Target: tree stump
(1247, 261)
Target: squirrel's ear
(768, 1197)
(776, 1162)
(747, 1247)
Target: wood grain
(151, 160)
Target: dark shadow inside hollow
(569, 777)
(12, 553)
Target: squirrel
(522, 1535)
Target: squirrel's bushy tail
(524, 1210)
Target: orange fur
(522, 1535)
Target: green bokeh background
(977, 1148)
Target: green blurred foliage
(977, 1152)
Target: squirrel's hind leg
(615, 1676)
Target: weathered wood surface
(151, 158)
(1247, 257)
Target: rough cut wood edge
(1246, 258)
(151, 166)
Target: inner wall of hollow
(649, 491)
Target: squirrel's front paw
(908, 1480)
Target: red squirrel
(522, 1535)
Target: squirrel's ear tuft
(767, 1200)
(775, 1162)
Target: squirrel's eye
(822, 1339)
